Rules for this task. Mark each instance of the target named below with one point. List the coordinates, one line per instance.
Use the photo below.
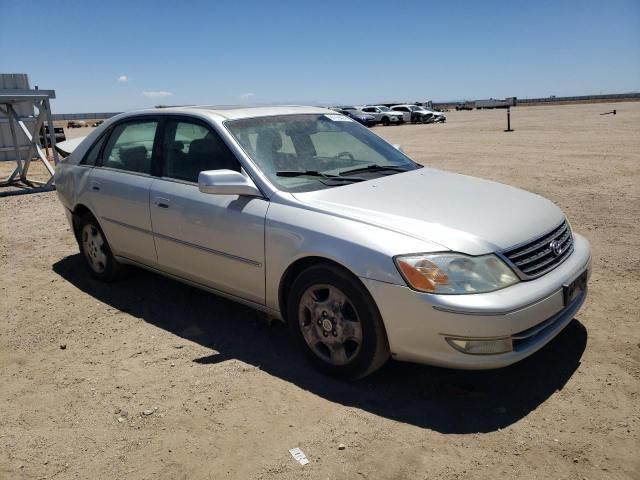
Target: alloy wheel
(330, 324)
(94, 248)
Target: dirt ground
(151, 379)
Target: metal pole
(14, 138)
(508, 120)
(18, 170)
(45, 137)
(56, 159)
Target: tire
(385, 121)
(95, 250)
(334, 320)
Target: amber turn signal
(423, 275)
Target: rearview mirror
(226, 182)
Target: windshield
(325, 144)
(385, 109)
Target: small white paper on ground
(299, 455)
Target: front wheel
(336, 322)
(385, 121)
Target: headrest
(133, 153)
(203, 146)
(269, 140)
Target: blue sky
(118, 55)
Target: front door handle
(95, 186)
(161, 202)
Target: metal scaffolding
(9, 98)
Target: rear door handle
(161, 202)
(95, 186)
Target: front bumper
(530, 313)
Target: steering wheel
(347, 155)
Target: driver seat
(268, 143)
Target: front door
(214, 240)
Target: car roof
(235, 112)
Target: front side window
(189, 148)
(310, 151)
(130, 146)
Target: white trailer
(495, 103)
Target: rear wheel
(96, 252)
(336, 322)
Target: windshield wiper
(314, 173)
(374, 167)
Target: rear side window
(91, 158)
(130, 146)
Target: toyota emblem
(556, 247)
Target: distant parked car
(347, 107)
(414, 113)
(466, 106)
(98, 123)
(76, 124)
(384, 115)
(438, 117)
(364, 118)
(58, 133)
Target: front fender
(293, 232)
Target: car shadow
(448, 401)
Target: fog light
(481, 347)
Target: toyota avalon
(310, 217)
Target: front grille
(537, 257)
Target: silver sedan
(304, 214)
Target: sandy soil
(148, 378)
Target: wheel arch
(295, 269)
(78, 211)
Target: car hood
(461, 213)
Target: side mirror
(226, 182)
(397, 147)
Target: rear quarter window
(91, 157)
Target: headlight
(455, 273)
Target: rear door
(214, 240)
(119, 188)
